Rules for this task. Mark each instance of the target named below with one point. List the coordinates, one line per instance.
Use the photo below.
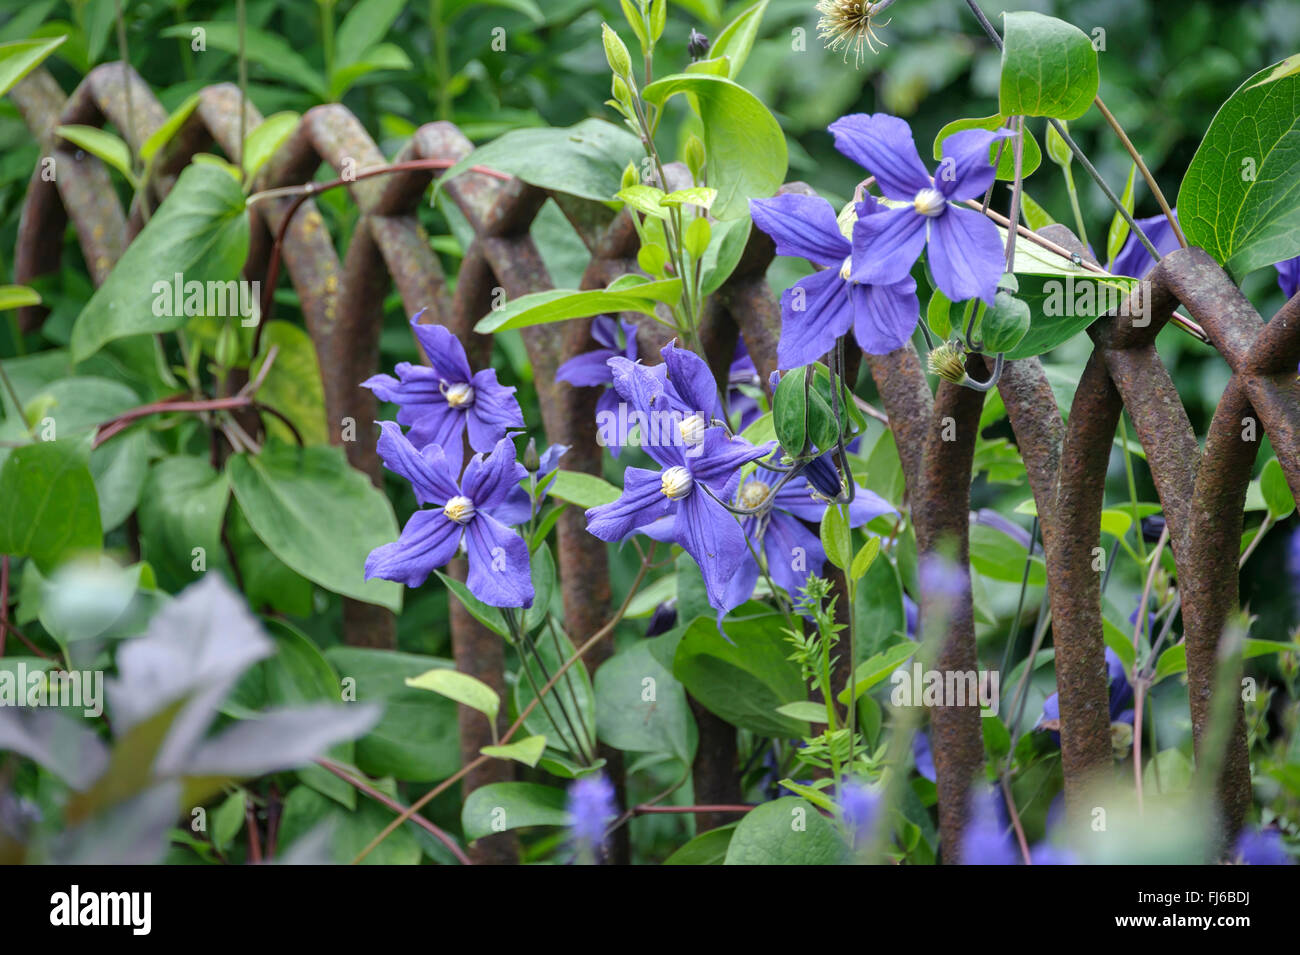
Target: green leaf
(572, 696)
(182, 507)
(584, 490)
(700, 196)
(490, 617)
(318, 515)
(417, 739)
(200, 230)
(499, 807)
(786, 831)
(643, 198)
(1049, 67)
(272, 53)
(1002, 557)
(451, 8)
(864, 558)
(836, 537)
(103, 144)
(744, 144)
(307, 811)
(527, 751)
(228, 819)
(17, 296)
(1058, 150)
(161, 136)
(557, 305)
(805, 710)
(461, 687)
(1005, 325)
(1003, 149)
(742, 682)
(293, 385)
(586, 160)
(366, 24)
(1036, 217)
(263, 141)
(1240, 199)
(737, 37)
(878, 668)
(642, 708)
(48, 507)
(1118, 224)
(20, 58)
(1173, 660)
(708, 848)
(726, 245)
(878, 608)
(1277, 493)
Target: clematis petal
(604, 331)
(967, 171)
(966, 257)
(443, 349)
(641, 502)
(498, 564)
(428, 541)
(886, 245)
(489, 480)
(883, 145)
(867, 506)
(657, 415)
(814, 312)
(885, 316)
(1133, 259)
(588, 369)
(717, 458)
(690, 377)
(709, 533)
(432, 475)
(494, 411)
(793, 552)
(611, 429)
(802, 226)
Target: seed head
(847, 25)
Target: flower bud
(823, 476)
(532, 462)
(620, 61)
(697, 44)
(948, 362)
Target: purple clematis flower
(1288, 276)
(923, 756)
(965, 250)
(1133, 259)
(791, 550)
(591, 369)
(1121, 694)
(860, 806)
(476, 512)
(439, 402)
(700, 466)
(818, 309)
(743, 372)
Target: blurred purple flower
(1293, 568)
(739, 402)
(923, 756)
(439, 402)
(477, 512)
(987, 839)
(860, 805)
(940, 577)
(821, 307)
(591, 807)
(591, 369)
(1262, 847)
(662, 620)
(1046, 854)
(1121, 694)
(964, 249)
(912, 614)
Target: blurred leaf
(498, 807)
(49, 510)
(103, 144)
(20, 58)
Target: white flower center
(754, 493)
(459, 509)
(847, 268)
(692, 429)
(459, 395)
(929, 202)
(677, 483)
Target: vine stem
(451, 780)
(1074, 147)
(394, 805)
(1146, 173)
